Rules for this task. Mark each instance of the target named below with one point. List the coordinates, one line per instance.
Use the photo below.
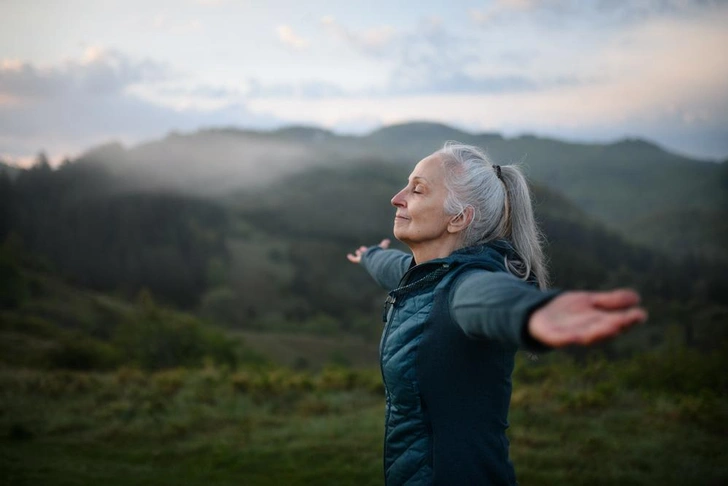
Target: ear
(461, 220)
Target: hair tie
(507, 208)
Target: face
(420, 216)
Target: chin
(401, 236)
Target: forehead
(430, 168)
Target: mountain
(271, 257)
(429, 137)
(615, 182)
(630, 184)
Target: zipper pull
(387, 304)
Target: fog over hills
(654, 197)
(624, 184)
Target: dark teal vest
(447, 394)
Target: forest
(182, 311)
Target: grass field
(570, 424)
(311, 351)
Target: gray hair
(501, 202)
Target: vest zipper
(389, 303)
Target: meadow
(658, 418)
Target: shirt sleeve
(497, 306)
(387, 267)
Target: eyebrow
(418, 178)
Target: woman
(470, 294)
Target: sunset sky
(78, 73)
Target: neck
(434, 249)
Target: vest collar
(493, 253)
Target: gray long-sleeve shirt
(486, 305)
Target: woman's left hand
(585, 317)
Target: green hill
(103, 232)
(47, 323)
(624, 184)
(270, 256)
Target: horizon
(55, 162)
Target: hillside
(47, 323)
(306, 223)
(271, 257)
(624, 184)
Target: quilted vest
(447, 395)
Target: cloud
(302, 89)
(185, 95)
(643, 67)
(290, 39)
(501, 10)
(78, 103)
(653, 68)
(99, 72)
(435, 59)
(431, 59)
(643, 9)
(68, 125)
(373, 42)
(162, 24)
(599, 13)
(633, 81)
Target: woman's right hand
(356, 256)
(586, 317)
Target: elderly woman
(470, 294)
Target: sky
(79, 73)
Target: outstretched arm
(386, 266)
(585, 317)
(498, 306)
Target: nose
(398, 200)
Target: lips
(399, 217)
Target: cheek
(432, 217)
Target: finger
(633, 316)
(609, 325)
(615, 299)
(353, 258)
(385, 243)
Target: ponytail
(501, 202)
(523, 232)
